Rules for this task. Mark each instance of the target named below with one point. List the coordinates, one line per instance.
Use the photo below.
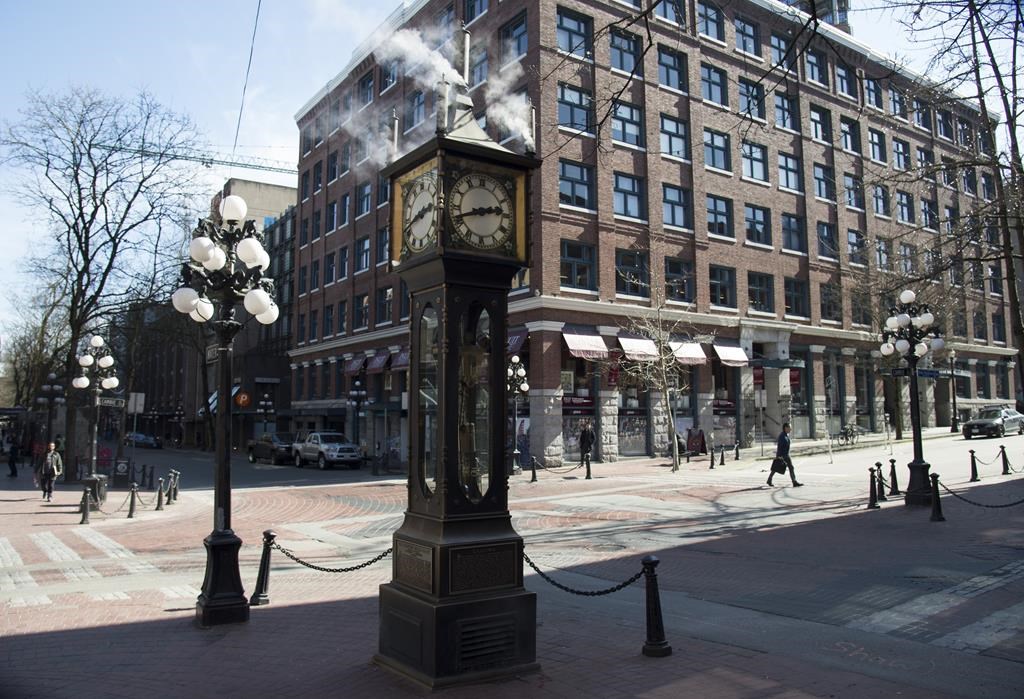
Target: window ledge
(681, 304)
(834, 323)
(716, 105)
(759, 246)
(630, 219)
(676, 158)
(792, 316)
(826, 258)
(577, 209)
(361, 271)
(577, 290)
(823, 200)
(575, 57)
(631, 297)
(747, 54)
(510, 62)
(857, 209)
(626, 74)
(760, 314)
(475, 86)
(677, 229)
(382, 204)
(381, 264)
(712, 40)
(855, 153)
(817, 83)
(718, 171)
(880, 162)
(475, 19)
(787, 130)
(883, 217)
(790, 191)
(630, 146)
(575, 132)
(794, 253)
(362, 215)
(723, 309)
(673, 90)
(821, 141)
(717, 236)
(752, 180)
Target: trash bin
(98, 486)
(122, 474)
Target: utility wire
(245, 85)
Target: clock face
(480, 209)
(419, 211)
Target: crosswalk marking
(987, 632)
(16, 578)
(132, 563)
(73, 569)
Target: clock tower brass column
(456, 611)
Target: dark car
(994, 422)
(143, 440)
(275, 447)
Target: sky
(191, 56)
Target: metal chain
(584, 593)
(298, 560)
(97, 505)
(142, 501)
(568, 470)
(980, 504)
(986, 463)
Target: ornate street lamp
(515, 383)
(179, 417)
(97, 365)
(226, 266)
(265, 409)
(909, 332)
(52, 395)
(954, 423)
(356, 398)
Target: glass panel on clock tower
(428, 372)
(474, 407)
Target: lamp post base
(919, 491)
(222, 600)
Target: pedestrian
(12, 460)
(782, 460)
(586, 443)
(51, 469)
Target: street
(765, 591)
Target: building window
(988, 186)
(363, 200)
(384, 299)
(995, 279)
(716, 150)
(382, 242)
(329, 268)
(828, 242)
(304, 232)
(796, 297)
(678, 280)
(314, 329)
(627, 124)
(383, 190)
(758, 224)
(929, 214)
(388, 76)
(821, 124)
(364, 89)
(316, 226)
(751, 99)
(574, 33)
(880, 199)
(576, 184)
(722, 283)
(748, 36)
(787, 115)
(631, 273)
(908, 258)
(675, 137)
(342, 317)
(362, 254)
(904, 207)
(719, 211)
(342, 263)
(478, 67)
(629, 196)
(304, 185)
(625, 52)
(575, 108)
(303, 279)
(998, 331)
(714, 85)
(782, 56)
(301, 329)
(415, 109)
(672, 69)
(577, 266)
(944, 124)
(831, 303)
(926, 163)
(965, 134)
(710, 21)
(343, 209)
(969, 180)
(761, 292)
(849, 134)
(873, 92)
(876, 141)
(676, 206)
(824, 182)
(755, 161)
(897, 104)
(846, 80)
(671, 11)
(789, 173)
(817, 67)
(856, 247)
(404, 300)
(794, 236)
(474, 8)
(514, 38)
(332, 166)
(883, 254)
(328, 320)
(922, 114)
(361, 311)
(980, 328)
(314, 275)
(854, 190)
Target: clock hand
(419, 214)
(481, 211)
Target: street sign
(111, 402)
(136, 403)
(900, 371)
(928, 373)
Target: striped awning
(637, 348)
(377, 362)
(354, 366)
(731, 356)
(585, 345)
(688, 353)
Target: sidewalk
(777, 592)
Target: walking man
(51, 468)
(12, 459)
(586, 444)
(782, 455)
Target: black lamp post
(910, 333)
(97, 365)
(515, 383)
(265, 409)
(179, 417)
(954, 423)
(52, 395)
(226, 266)
(356, 398)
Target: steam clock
(456, 610)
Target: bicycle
(849, 435)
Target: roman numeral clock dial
(480, 210)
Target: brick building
(827, 177)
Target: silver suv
(326, 449)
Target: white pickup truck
(326, 449)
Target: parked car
(275, 447)
(139, 439)
(326, 449)
(994, 422)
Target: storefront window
(634, 419)
(799, 391)
(835, 391)
(681, 396)
(864, 386)
(578, 405)
(723, 407)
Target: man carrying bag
(782, 460)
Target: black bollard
(533, 469)
(721, 455)
(588, 468)
(737, 455)
(936, 505)
(894, 488)
(687, 457)
(86, 506)
(872, 500)
(160, 496)
(974, 468)
(1006, 461)
(149, 483)
(177, 480)
(260, 596)
(131, 503)
(655, 646)
(879, 483)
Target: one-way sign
(111, 402)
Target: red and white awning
(638, 349)
(731, 356)
(688, 353)
(583, 345)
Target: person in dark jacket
(51, 469)
(586, 443)
(12, 460)
(782, 452)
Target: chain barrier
(562, 473)
(986, 463)
(322, 569)
(980, 504)
(96, 505)
(1009, 465)
(142, 500)
(584, 593)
